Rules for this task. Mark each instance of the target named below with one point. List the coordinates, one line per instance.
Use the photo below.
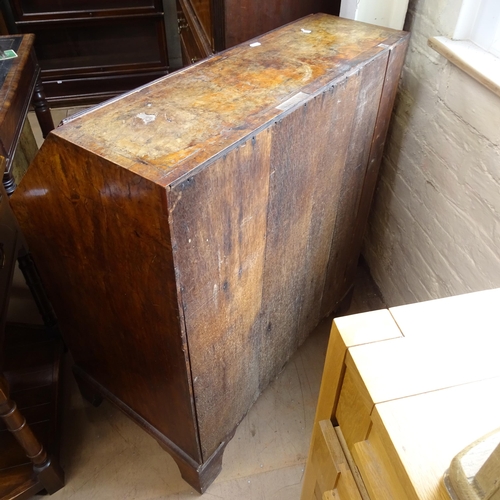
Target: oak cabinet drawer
(335, 479)
(377, 468)
(353, 408)
(410, 388)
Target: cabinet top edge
(174, 124)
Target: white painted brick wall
(434, 229)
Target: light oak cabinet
(404, 390)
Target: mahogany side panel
(219, 229)
(365, 111)
(102, 241)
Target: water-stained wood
(193, 232)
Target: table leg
(49, 473)
(42, 109)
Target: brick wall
(434, 229)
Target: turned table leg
(48, 471)
(42, 109)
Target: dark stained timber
(193, 232)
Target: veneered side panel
(100, 237)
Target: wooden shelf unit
(92, 50)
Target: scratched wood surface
(185, 230)
(168, 128)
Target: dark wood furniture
(94, 49)
(208, 26)
(19, 87)
(29, 364)
(193, 232)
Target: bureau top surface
(172, 125)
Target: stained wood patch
(219, 228)
(103, 239)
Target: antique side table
(19, 86)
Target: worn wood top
(446, 342)
(428, 430)
(169, 127)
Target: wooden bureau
(404, 390)
(193, 232)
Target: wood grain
(219, 244)
(184, 229)
(412, 400)
(121, 277)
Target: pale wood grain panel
(428, 430)
(346, 332)
(353, 408)
(329, 467)
(451, 317)
(408, 366)
(377, 470)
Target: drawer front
(103, 45)
(86, 91)
(25, 10)
(333, 477)
(379, 469)
(353, 408)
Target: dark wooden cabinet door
(246, 19)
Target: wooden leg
(87, 390)
(30, 273)
(9, 183)
(200, 477)
(49, 472)
(42, 109)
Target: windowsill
(476, 62)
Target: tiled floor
(106, 456)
